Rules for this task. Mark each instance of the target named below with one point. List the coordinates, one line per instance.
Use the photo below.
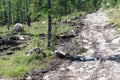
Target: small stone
(60, 54)
(102, 78)
(35, 49)
(116, 41)
(29, 78)
(18, 27)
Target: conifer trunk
(49, 24)
(8, 17)
(27, 14)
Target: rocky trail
(95, 39)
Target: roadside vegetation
(114, 17)
(18, 64)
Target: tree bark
(27, 14)
(49, 24)
(8, 17)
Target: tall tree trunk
(27, 15)
(8, 18)
(49, 24)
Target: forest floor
(95, 38)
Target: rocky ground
(97, 39)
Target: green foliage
(114, 15)
(110, 3)
(63, 29)
(37, 9)
(47, 53)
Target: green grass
(72, 16)
(3, 30)
(18, 64)
(37, 28)
(114, 15)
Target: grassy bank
(114, 16)
(18, 64)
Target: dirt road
(98, 38)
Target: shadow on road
(115, 58)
